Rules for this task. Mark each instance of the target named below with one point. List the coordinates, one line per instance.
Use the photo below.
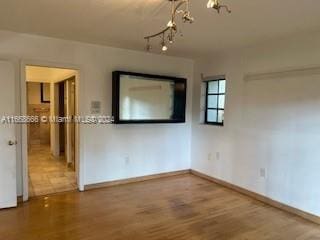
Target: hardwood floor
(180, 207)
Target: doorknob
(11, 143)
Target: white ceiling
(123, 23)
(46, 74)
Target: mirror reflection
(146, 98)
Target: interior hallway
(48, 174)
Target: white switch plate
(95, 107)
(263, 172)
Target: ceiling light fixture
(177, 8)
(215, 4)
(148, 47)
(163, 44)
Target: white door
(8, 187)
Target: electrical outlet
(263, 172)
(218, 155)
(127, 160)
(209, 156)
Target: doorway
(51, 95)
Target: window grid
(217, 109)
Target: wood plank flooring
(180, 207)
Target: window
(215, 100)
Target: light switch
(95, 107)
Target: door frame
(24, 137)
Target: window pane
(212, 115)
(212, 101)
(220, 116)
(213, 87)
(222, 86)
(221, 101)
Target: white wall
(34, 93)
(113, 152)
(54, 127)
(270, 124)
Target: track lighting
(171, 28)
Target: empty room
(159, 119)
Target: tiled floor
(48, 174)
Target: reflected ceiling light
(180, 7)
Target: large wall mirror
(144, 98)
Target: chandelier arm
(180, 4)
(177, 11)
(174, 12)
(158, 34)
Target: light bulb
(170, 38)
(164, 48)
(170, 24)
(211, 4)
(163, 44)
